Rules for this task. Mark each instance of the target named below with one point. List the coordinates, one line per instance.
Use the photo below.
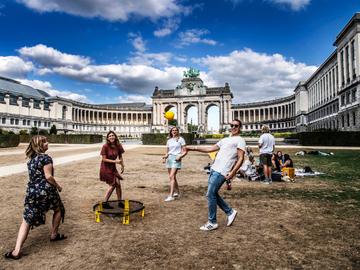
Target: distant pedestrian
(266, 146)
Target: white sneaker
(231, 218)
(176, 194)
(169, 199)
(209, 226)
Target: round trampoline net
(118, 207)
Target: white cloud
(47, 87)
(14, 67)
(134, 98)
(294, 4)
(138, 42)
(169, 26)
(110, 9)
(132, 79)
(151, 59)
(50, 57)
(140, 57)
(254, 76)
(193, 36)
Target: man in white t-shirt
(228, 160)
(266, 146)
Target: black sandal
(9, 255)
(58, 237)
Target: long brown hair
(116, 143)
(36, 146)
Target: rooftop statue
(192, 73)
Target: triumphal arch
(191, 93)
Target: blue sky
(108, 51)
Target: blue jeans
(216, 180)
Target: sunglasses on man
(234, 126)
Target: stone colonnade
(269, 113)
(86, 116)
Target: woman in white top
(175, 152)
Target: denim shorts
(172, 163)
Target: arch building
(329, 99)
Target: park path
(71, 147)
(22, 167)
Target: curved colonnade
(278, 114)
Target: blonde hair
(36, 146)
(265, 129)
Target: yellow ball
(169, 115)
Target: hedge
(161, 138)
(9, 140)
(330, 138)
(72, 138)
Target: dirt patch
(282, 226)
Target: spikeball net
(120, 208)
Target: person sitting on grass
(277, 160)
(248, 169)
(42, 195)
(288, 163)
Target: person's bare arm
(203, 149)
(183, 153)
(237, 165)
(166, 155)
(117, 161)
(48, 169)
(122, 166)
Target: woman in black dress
(42, 195)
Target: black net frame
(134, 207)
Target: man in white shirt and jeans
(227, 162)
(266, 146)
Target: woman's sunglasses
(234, 126)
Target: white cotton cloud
(194, 36)
(50, 57)
(141, 57)
(109, 9)
(252, 76)
(138, 42)
(47, 87)
(151, 59)
(169, 26)
(134, 98)
(256, 76)
(131, 79)
(14, 67)
(294, 4)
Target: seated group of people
(251, 171)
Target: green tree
(192, 128)
(172, 122)
(43, 132)
(53, 130)
(34, 131)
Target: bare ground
(282, 226)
